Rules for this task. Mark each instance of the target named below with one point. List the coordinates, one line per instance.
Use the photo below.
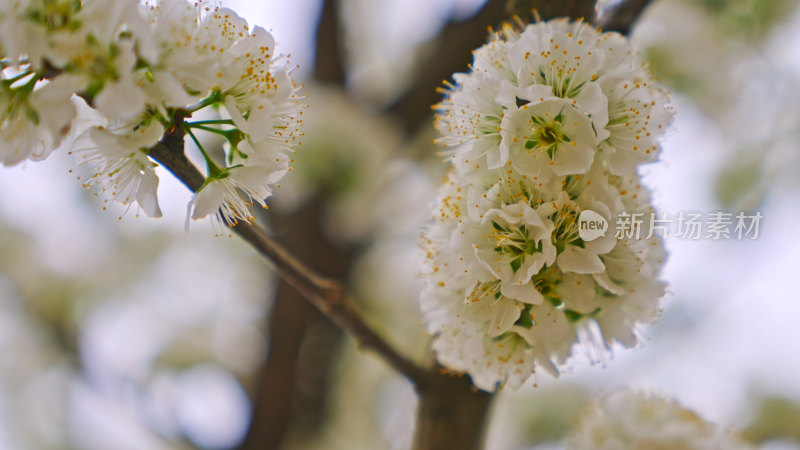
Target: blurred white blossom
(626, 419)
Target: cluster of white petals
(551, 121)
(105, 79)
(626, 419)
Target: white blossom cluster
(551, 121)
(626, 419)
(105, 79)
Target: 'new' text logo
(591, 225)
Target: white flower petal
(120, 100)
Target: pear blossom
(195, 42)
(547, 136)
(637, 118)
(93, 39)
(112, 158)
(35, 120)
(627, 419)
(511, 243)
(19, 137)
(138, 71)
(121, 97)
(551, 123)
(269, 133)
(596, 73)
(472, 121)
(221, 196)
(179, 75)
(506, 259)
(463, 351)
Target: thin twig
(325, 294)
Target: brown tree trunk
(272, 401)
(452, 414)
(292, 388)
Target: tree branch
(452, 414)
(549, 9)
(169, 152)
(622, 17)
(325, 294)
(328, 65)
(274, 395)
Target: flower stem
(214, 97)
(234, 136)
(213, 170)
(211, 122)
(209, 129)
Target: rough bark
(452, 414)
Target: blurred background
(121, 332)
